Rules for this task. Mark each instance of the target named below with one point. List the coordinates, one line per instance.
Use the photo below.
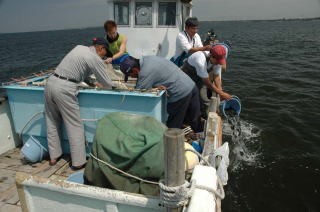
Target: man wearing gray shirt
(183, 96)
(61, 103)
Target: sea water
(273, 68)
(244, 142)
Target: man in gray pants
(61, 102)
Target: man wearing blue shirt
(183, 94)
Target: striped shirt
(80, 63)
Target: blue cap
(126, 66)
(100, 41)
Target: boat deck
(11, 162)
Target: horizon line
(80, 28)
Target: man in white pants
(61, 102)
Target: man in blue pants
(183, 95)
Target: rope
(199, 155)
(175, 196)
(89, 120)
(215, 192)
(42, 112)
(28, 122)
(123, 172)
(178, 196)
(187, 130)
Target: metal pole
(174, 159)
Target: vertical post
(213, 107)
(174, 159)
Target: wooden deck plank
(6, 179)
(10, 163)
(10, 208)
(57, 177)
(9, 152)
(14, 153)
(46, 170)
(12, 160)
(66, 171)
(9, 195)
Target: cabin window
(121, 13)
(143, 13)
(167, 13)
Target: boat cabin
(151, 26)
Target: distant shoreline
(262, 20)
(281, 19)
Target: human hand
(108, 60)
(207, 47)
(226, 96)
(98, 85)
(161, 87)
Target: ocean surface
(274, 68)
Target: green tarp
(132, 143)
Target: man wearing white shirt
(188, 42)
(196, 67)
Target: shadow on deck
(11, 162)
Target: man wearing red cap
(196, 67)
(219, 54)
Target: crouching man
(61, 102)
(183, 95)
(197, 66)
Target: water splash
(244, 142)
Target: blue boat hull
(27, 101)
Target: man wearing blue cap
(183, 95)
(61, 103)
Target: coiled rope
(176, 196)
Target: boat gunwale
(136, 93)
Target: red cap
(219, 53)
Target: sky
(41, 15)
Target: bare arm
(122, 49)
(98, 69)
(217, 81)
(224, 67)
(214, 88)
(120, 53)
(202, 48)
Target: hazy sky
(221, 10)
(37, 15)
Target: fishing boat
(152, 27)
